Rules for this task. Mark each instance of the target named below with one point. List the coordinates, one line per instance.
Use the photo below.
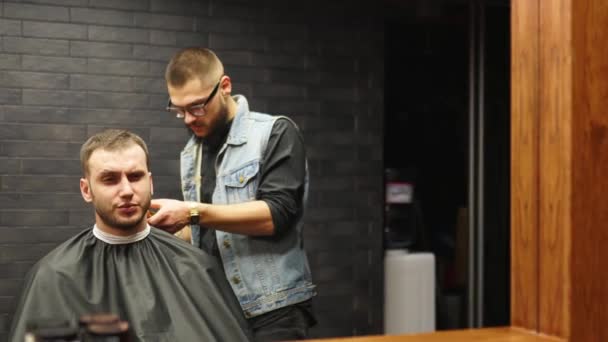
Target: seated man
(165, 288)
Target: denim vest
(265, 273)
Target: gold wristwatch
(194, 214)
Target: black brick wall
(69, 68)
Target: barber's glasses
(196, 109)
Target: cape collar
(120, 240)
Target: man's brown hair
(110, 140)
(193, 62)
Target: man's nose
(126, 188)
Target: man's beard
(113, 221)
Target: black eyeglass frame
(197, 109)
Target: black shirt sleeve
(282, 175)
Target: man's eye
(134, 178)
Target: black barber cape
(165, 288)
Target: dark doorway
(447, 130)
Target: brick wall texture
(70, 68)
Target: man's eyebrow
(107, 173)
(113, 173)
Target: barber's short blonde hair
(110, 140)
(193, 62)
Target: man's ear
(85, 190)
(151, 184)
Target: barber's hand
(171, 215)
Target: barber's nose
(188, 118)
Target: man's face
(120, 187)
(193, 93)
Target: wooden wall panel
(524, 165)
(555, 163)
(569, 218)
(589, 274)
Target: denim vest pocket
(241, 183)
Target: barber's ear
(85, 190)
(226, 85)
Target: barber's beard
(219, 129)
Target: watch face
(194, 216)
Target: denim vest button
(236, 280)
(226, 243)
(241, 179)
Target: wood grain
(476, 335)
(555, 164)
(524, 165)
(589, 307)
(571, 168)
